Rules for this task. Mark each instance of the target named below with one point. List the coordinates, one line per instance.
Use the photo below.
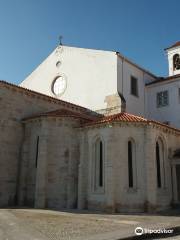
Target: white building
(102, 80)
(91, 78)
(163, 95)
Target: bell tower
(173, 53)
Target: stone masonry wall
(162, 197)
(15, 104)
(144, 196)
(54, 182)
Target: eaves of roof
(162, 79)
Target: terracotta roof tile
(119, 117)
(127, 117)
(65, 113)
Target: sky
(138, 29)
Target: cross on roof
(60, 39)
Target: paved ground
(31, 224)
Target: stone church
(90, 129)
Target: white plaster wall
(168, 113)
(125, 70)
(91, 75)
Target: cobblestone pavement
(32, 224)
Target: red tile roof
(65, 113)
(121, 117)
(88, 120)
(174, 45)
(127, 117)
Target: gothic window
(160, 163)
(134, 86)
(99, 164)
(162, 99)
(176, 62)
(37, 151)
(131, 164)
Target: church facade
(90, 129)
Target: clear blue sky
(139, 29)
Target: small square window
(134, 86)
(162, 99)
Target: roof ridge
(126, 113)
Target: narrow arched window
(158, 165)
(37, 151)
(160, 169)
(132, 169)
(130, 163)
(99, 164)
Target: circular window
(59, 85)
(58, 64)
